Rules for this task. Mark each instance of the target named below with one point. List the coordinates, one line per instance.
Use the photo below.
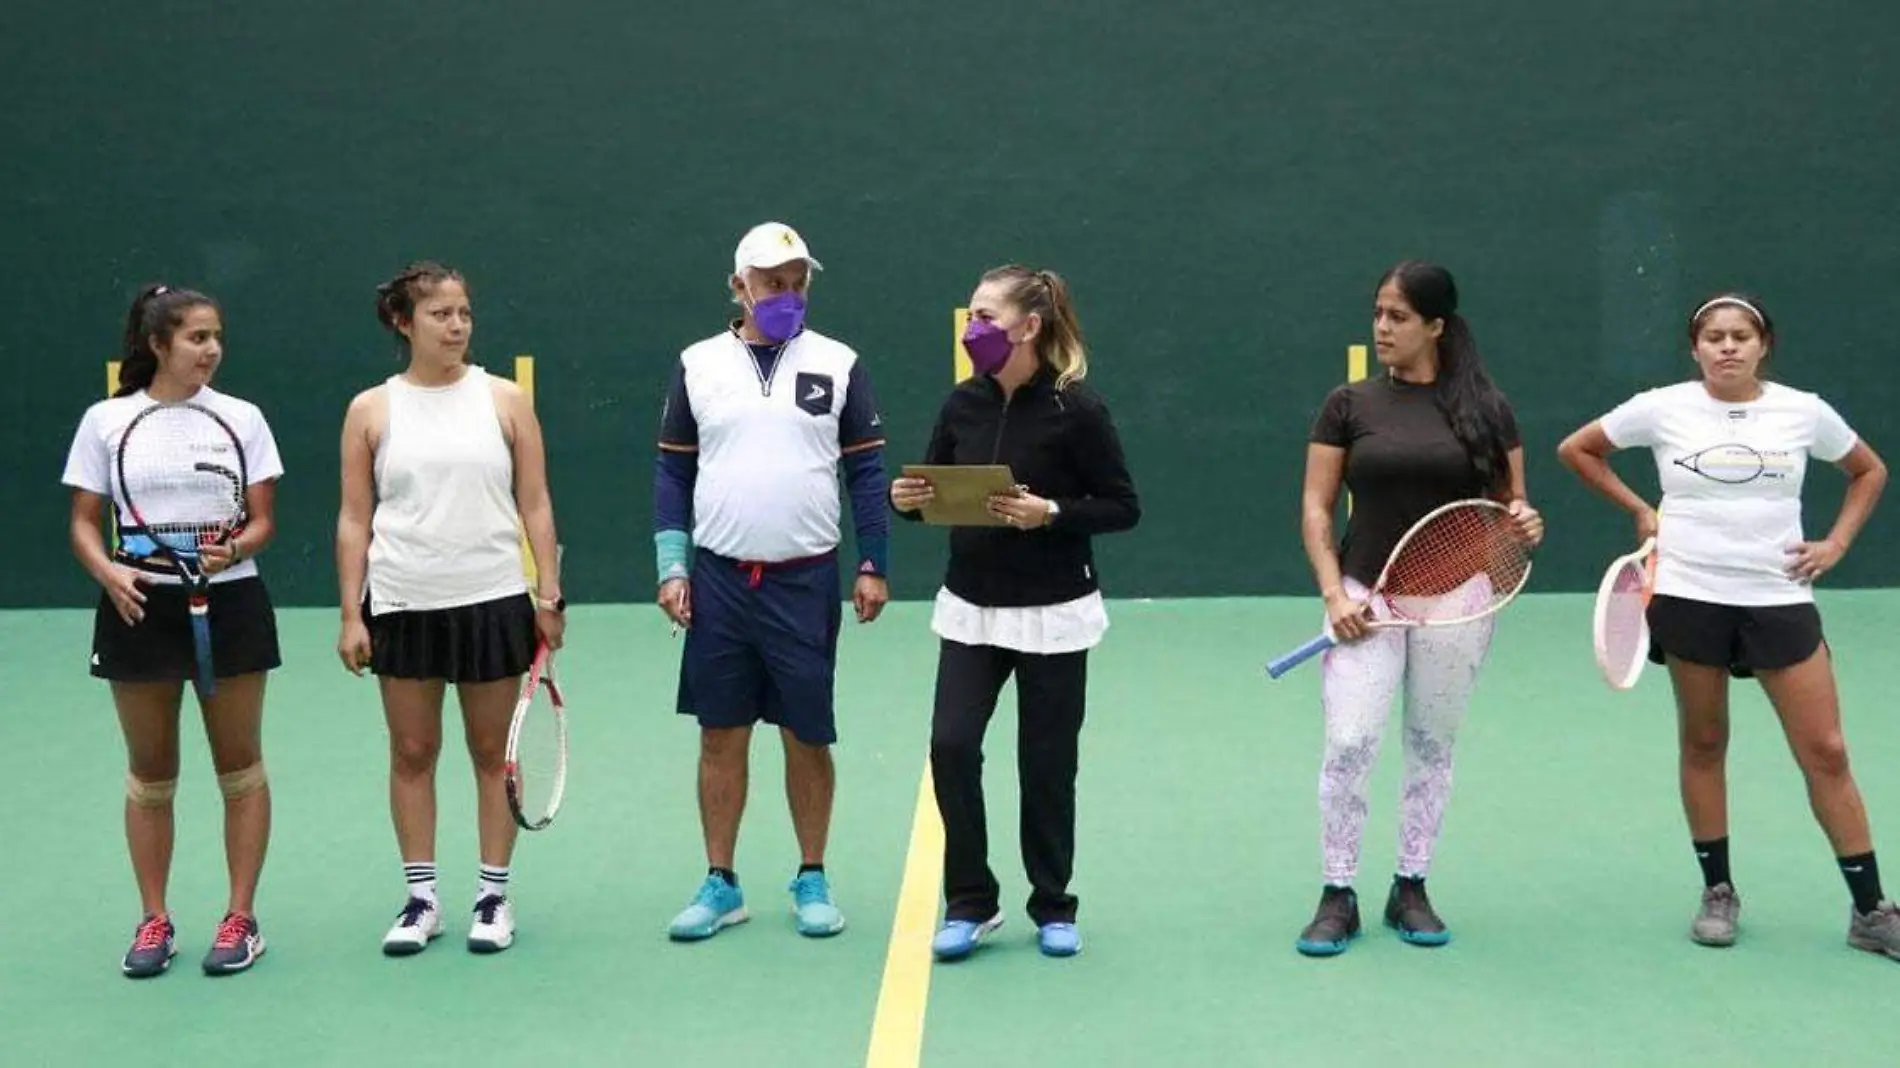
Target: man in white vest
(757, 422)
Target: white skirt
(1057, 628)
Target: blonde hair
(1059, 345)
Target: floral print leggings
(1437, 668)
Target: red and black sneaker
(237, 946)
(151, 953)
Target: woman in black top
(1431, 430)
(1022, 598)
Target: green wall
(1222, 181)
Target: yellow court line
(897, 1031)
(524, 377)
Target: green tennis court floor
(1564, 872)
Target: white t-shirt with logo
(769, 444)
(90, 462)
(1731, 477)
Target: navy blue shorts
(763, 645)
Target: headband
(1734, 302)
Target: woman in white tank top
(443, 469)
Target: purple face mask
(779, 317)
(989, 346)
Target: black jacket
(1063, 446)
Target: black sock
(1713, 856)
(803, 868)
(1863, 881)
(726, 874)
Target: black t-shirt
(1402, 461)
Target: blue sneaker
(957, 939)
(1059, 940)
(718, 905)
(811, 903)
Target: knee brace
(243, 781)
(149, 794)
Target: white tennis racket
(535, 770)
(1462, 562)
(1620, 628)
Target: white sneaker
(419, 922)
(494, 927)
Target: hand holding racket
(1461, 562)
(535, 768)
(182, 473)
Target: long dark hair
(158, 311)
(1472, 403)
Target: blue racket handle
(201, 642)
(1300, 656)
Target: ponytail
(1470, 401)
(1060, 345)
(157, 311)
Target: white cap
(769, 245)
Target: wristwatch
(1054, 510)
(559, 604)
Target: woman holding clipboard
(1020, 595)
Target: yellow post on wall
(959, 356)
(1355, 372)
(524, 377)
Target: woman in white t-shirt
(141, 633)
(1733, 593)
(443, 468)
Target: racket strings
(539, 757)
(1624, 630)
(1460, 563)
(178, 470)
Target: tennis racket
(1620, 629)
(182, 474)
(1735, 464)
(535, 770)
(1462, 562)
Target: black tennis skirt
(479, 642)
(158, 648)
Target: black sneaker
(1409, 912)
(1335, 924)
(151, 953)
(237, 946)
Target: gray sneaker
(1877, 931)
(1715, 922)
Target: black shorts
(468, 643)
(159, 649)
(1741, 638)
